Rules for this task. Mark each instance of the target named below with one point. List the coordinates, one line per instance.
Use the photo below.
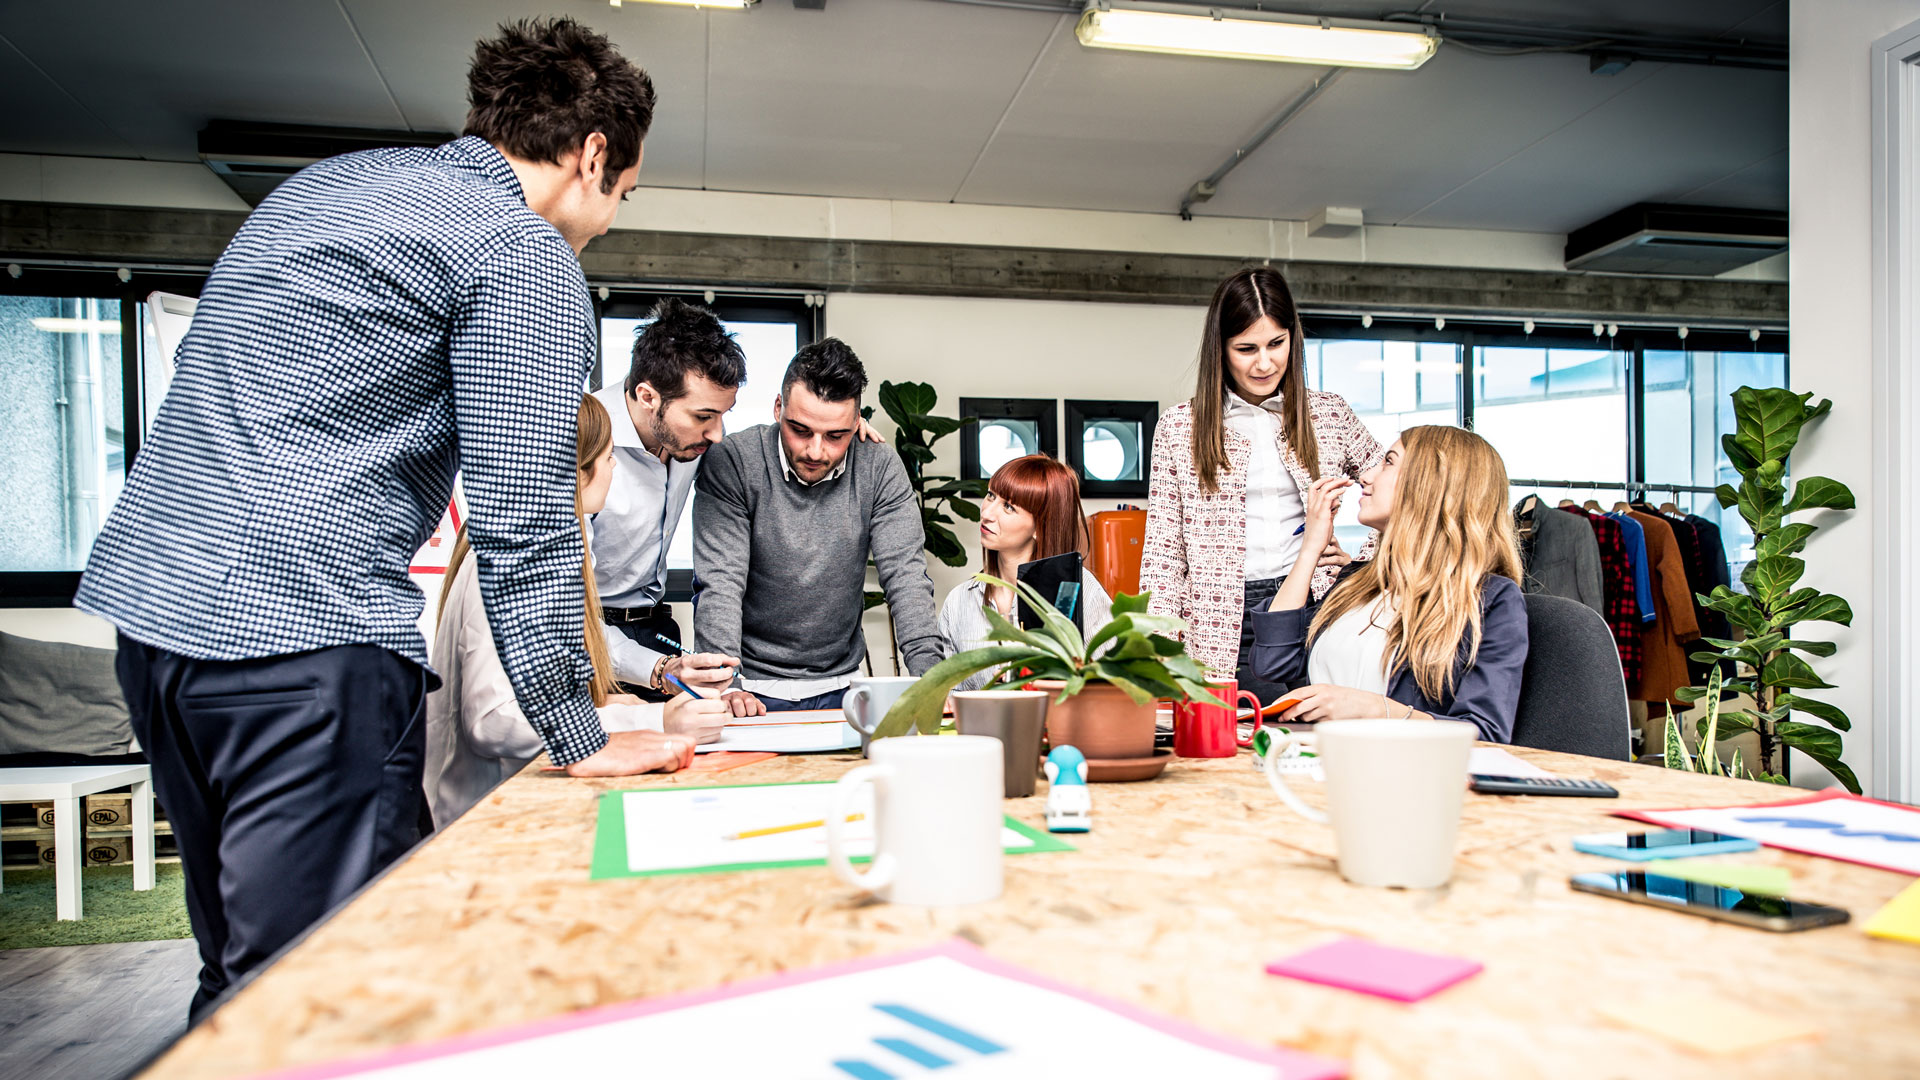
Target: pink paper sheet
(1381, 970)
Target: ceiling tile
(875, 98)
(156, 73)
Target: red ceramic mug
(1203, 730)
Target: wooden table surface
(1187, 886)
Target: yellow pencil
(796, 827)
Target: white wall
(1013, 348)
(1830, 156)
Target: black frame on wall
(1080, 414)
(1043, 412)
(55, 588)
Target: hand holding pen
(707, 671)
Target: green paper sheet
(1746, 877)
(610, 837)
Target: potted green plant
(1768, 424)
(1107, 682)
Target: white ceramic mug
(868, 699)
(1394, 788)
(936, 821)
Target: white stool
(66, 786)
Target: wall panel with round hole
(1007, 428)
(1110, 444)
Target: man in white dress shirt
(685, 373)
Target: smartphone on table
(1774, 913)
(1661, 844)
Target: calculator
(1535, 785)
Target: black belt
(618, 615)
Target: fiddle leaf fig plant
(1134, 651)
(1766, 667)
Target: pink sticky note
(1354, 964)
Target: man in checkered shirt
(382, 319)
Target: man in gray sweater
(786, 516)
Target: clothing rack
(1596, 485)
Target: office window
(61, 428)
(1689, 406)
(768, 332)
(1555, 413)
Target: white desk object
(65, 786)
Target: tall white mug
(868, 699)
(1394, 788)
(936, 824)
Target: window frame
(56, 588)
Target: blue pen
(1301, 529)
(670, 677)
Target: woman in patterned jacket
(1226, 502)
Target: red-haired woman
(1032, 511)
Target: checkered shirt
(382, 319)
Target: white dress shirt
(632, 534)
(1352, 651)
(1275, 510)
(963, 622)
(476, 734)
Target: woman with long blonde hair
(1434, 626)
(477, 735)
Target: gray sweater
(780, 568)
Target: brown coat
(1674, 623)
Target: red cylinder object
(1116, 538)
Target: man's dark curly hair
(684, 339)
(541, 87)
(829, 369)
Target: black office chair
(1573, 697)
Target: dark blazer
(1485, 695)
(1560, 554)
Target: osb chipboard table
(1187, 886)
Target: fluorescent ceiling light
(1254, 35)
(77, 326)
(696, 3)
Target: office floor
(92, 1012)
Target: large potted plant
(1106, 683)
(1766, 669)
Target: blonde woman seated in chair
(1434, 626)
(477, 735)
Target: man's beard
(674, 448)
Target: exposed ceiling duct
(253, 158)
(1659, 238)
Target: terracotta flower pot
(1100, 721)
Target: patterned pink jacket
(1195, 555)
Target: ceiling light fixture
(740, 4)
(1190, 30)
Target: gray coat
(1562, 556)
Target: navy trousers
(829, 700)
(1259, 594)
(290, 781)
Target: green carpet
(112, 910)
